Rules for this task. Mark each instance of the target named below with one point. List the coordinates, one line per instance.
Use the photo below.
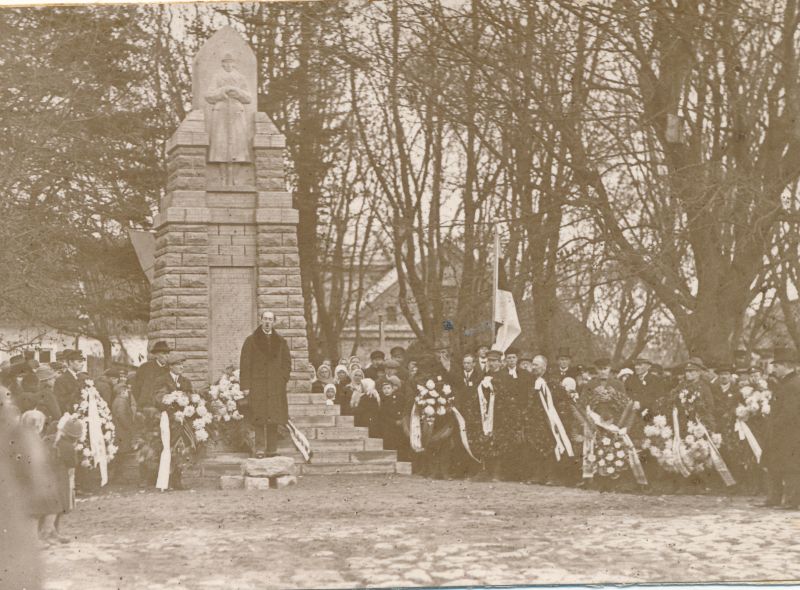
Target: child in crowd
(43, 503)
(63, 460)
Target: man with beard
(264, 371)
(495, 421)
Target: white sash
(415, 430)
(97, 443)
(744, 432)
(487, 410)
(300, 441)
(162, 482)
(556, 427)
(462, 427)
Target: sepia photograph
(399, 294)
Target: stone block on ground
(285, 481)
(231, 482)
(403, 468)
(269, 467)
(256, 483)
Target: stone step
(338, 433)
(313, 410)
(306, 398)
(303, 422)
(232, 460)
(347, 468)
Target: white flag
(505, 313)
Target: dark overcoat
(782, 444)
(264, 370)
(67, 390)
(144, 384)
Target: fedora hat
(74, 355)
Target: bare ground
(396, 531)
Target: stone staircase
(339, 447)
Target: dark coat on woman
(782, 444)
(264, 369)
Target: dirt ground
(400, 531)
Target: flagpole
(495, 275)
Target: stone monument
(226, 233)
(226, 247)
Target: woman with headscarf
(343, 389)
(366, 404)
(324, 377)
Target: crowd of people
(37, 401)
(692, 428)
(489, 416)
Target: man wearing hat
(149, 374)
(495, 420)
(564, 368)
(265, 367)
(603, 378)
(645, 388)
(693, 380)
(736, 453)
(375, 370)
(67, 388)
(782, 444)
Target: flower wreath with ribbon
(435, 399)
(97, 444)
(756, 399)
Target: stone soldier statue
(228, 126)
(264, 370)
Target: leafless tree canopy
(640, 159)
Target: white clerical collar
(265, 332)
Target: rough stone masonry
(224, 251)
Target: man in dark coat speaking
(264, 370)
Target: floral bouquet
(190, 419)
(224, 398)
(609, 458)
(691, 453)
(81, 411)
(225, 395)
(756, 400)
(433, 399)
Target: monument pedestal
(226, 248)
